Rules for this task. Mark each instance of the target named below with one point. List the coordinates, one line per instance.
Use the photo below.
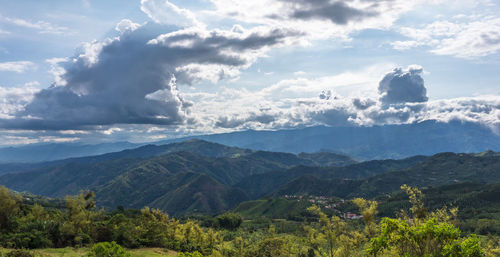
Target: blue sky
(96, 71)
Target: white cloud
(43, 27)
(18, 66)
(14, 99)
(126, 25)
(319, 19)
(110, 131)
(469, 39)
(57, 71)
(303, 102)
(164, 12)
(361, 83)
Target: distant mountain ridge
(361, 143)
(57, 151)
(370, 143)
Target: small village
(330, 203)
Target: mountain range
(197, 176)
(361, 143)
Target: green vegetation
(278, 206)
(182, 178)
(274, 208)
(415, 232)
(230, 221)
(107, 249)
(83, 252)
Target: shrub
(193, 254)
(106, 249)
(229, 220)
(19, 253)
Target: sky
(140, 71)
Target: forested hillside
(162, 176)
(207, 178)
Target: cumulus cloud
(469, 39)
(12, 99)
(19, 66)
(401, 99)
(164, 12)
(126, 25)
(401, 86)
(318, 18)
(132, 79)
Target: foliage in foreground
(106, 249)
(413, 233)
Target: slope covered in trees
(201, 177)
(161, 176)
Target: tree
(80, 214)
(229, 220)
(9, 207)
(423, 234)
(331, 230)
(271, 247)
(368, 209)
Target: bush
(193, 254)
(107, 249)
(19, 253)
(229, 220)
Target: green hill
(201, 177)
(274, 208)
(161, 176)
(438, 170)
(259, 185)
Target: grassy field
(78, 252)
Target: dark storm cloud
(401, 86)
(337, 12)
(131, 80)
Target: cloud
(232, 109)
(19, 66)
(338, 12)
(401, 86)
(12, 99)
(247, 120)
(126, 25)
(401, 100)
(326, 95)
(133, 79)
(473, 39)
(317, 19)
(43, 27)
(164, 12)
(220, 54)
